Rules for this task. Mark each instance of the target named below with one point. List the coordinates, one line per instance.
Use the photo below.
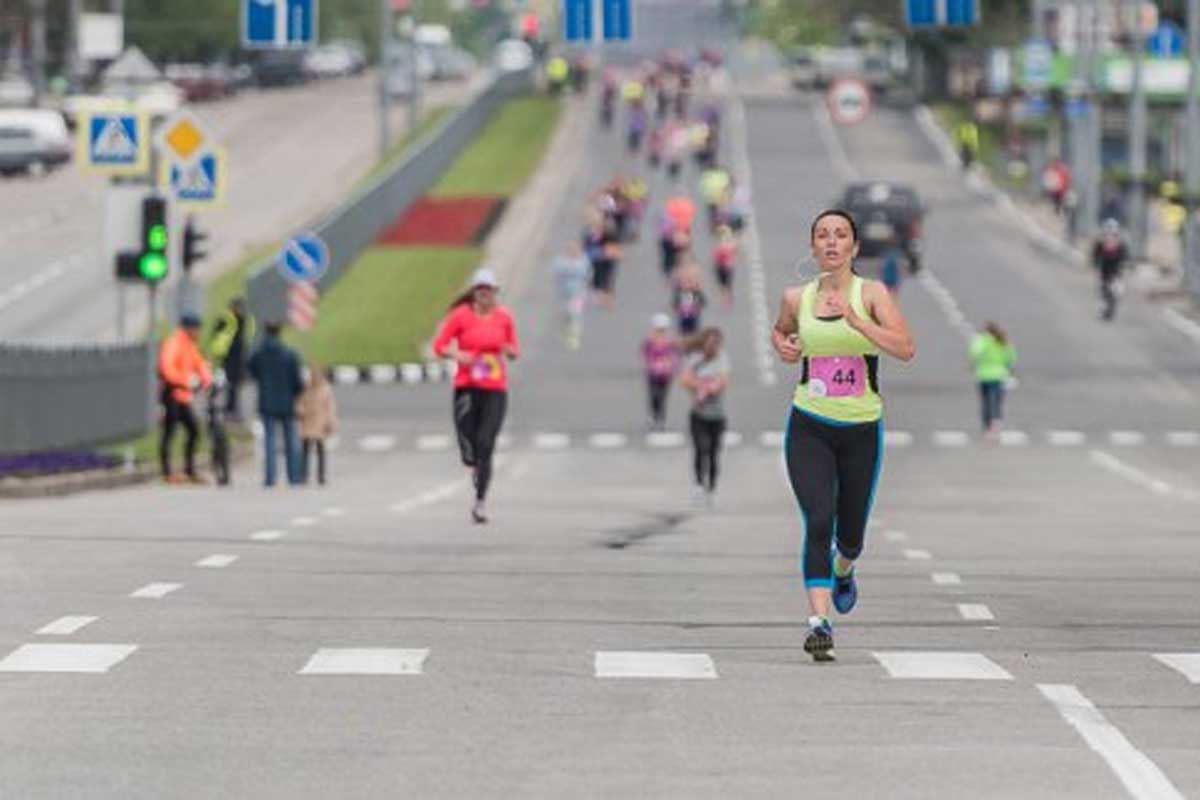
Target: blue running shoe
(819, 642)
(845, 593)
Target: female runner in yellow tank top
(834, 329)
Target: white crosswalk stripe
(66, 657)
(217, 561)
(975, 611)
(551, 441)
(607, 441)
(1014, 438)
(1126, 438)
(1066, 438)
(1183, 438)
(897, 439)
(1186, 664)
(366, 661)
(625, 664)
(431, 442)
(951, 438)
(66, 626)
(946, 578)
(665, 439)
(376, 443)
(914, 665)
(156, 591)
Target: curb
(71, 483)
(409, 374)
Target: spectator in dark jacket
(276, 369)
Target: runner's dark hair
(834, 212)
(997, 332)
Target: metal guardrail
(356, 224)
(54, 398)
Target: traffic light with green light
(153, 263)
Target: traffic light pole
(385, 109)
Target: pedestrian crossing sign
(199, 182)
(114, 142)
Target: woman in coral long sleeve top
(481, 336)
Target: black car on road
(886, 213)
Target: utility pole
(385, 110)
(1085, 129)
(1137, 142)
(1191, 255)
(37, 43)
(414, 97)
(73, 62)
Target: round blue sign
(304, 258)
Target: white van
(32, 140)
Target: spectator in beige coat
(316, 410)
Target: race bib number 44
(837, 376)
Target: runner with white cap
(481, 336)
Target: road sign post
(303, 298)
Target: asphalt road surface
(293, 154)
(1028, 618)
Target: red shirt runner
(484, 338)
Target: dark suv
(885, 212)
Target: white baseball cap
(484, 277)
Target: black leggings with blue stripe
(833, 468)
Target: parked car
(329, 61)
(197, 82)
(16, 92)
(451, 63)
(400, 58)
(802, 69)
(513, 55)
(32, 141)
(279, 68)
(357, 53)
(885, 213)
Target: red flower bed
(449, 222)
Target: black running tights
(478, 415)
(833, 469)
(706, 445)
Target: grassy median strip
(506, 153)
(383, 309)
(386, 305)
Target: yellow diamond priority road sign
(183, 137)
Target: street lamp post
(1137, 145)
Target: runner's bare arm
(784, 332)
(885, 326)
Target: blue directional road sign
(1167, 41)
(304, 258)
(578, 24)
(618, 20)
(941, 13)
(279, 23)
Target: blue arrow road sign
(1167, 41)
(618, 20)
(938, 13)
(577, 20)
(962, 12)
(920, 13)
(303, 258)
(279, 23)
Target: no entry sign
(849, 101)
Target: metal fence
(55, 398)
(356, 224)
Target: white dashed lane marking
(951, 438)
(376, 443)
(156, 591)
(918, 555)
(975, 611)
(216, 561)
(895, 536)
(607, 441)
(551, 441)
(665, 439)
(946, 579)
(366, 661)
(625, 664)
(65, 626)
(432, 442)
(1141, 776)
(1066, 438)
(303, 522)
(267, 536)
